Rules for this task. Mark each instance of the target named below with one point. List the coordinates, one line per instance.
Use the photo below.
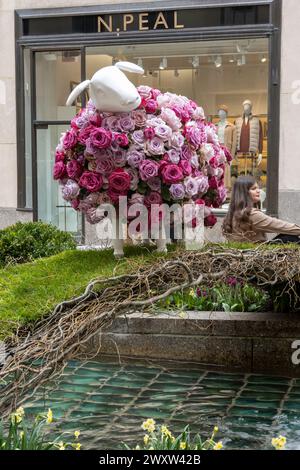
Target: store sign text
(141, 20)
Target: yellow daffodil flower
(49, 416)
(146, 439)
(218, 446)
(182, 445)
(149, 425)
(76, 434)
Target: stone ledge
(208, 323)
(258, 342)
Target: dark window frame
(272, 30)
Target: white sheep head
(110, 89)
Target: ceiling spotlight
(140, 62)
(163, 63)
(241, 61)
(218, 61)
(263, 59)
(231, 61)
(176, 73)
(195, 61)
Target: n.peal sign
(139, 21)
(143, 21)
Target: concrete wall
(289, 173)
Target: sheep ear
(129, 67)
(77, 91)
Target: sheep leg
(118, 243)
(161, 244)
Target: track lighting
(163, 63)
(195, 61)
(218, 61)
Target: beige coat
(230, 141)
(261, 225)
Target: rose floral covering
(163, 152)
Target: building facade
(215, 52)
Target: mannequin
(249, 136)
(228, 137)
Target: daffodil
(20, 411)
(182, 314)
(17, 416)
(192, 293)
(149, 425)
(218, 446)
(182, 445)
(146, 439)
(61, 445)
(76, 434)
(279, 442)
(49, 416)
(165, 431)
(77, 446)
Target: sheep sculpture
(149, 147)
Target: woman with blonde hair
(246, 223)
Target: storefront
(215, 52)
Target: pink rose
(154, 183)
(84, 134)
(119, 181)
(145, 91)
(91, 181)
(148, 169)
(186, 167)
(59, 170)
(75, 203)
(70, 139)
(100, 138)
(171, 174)
(121, 139)
(74, 169)
(59, 156)
(153, 198)
(95, 120)
(155, 93)
(151, 106)
(213, 183)
(155, 146)
(126, 123)
(139, 116)
(104, 163)
(193, 135)
(149, 132)
(111, 123)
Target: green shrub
(24, 242)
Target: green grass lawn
(29, 291)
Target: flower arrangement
(163, 152)
(161, 438)
(21, 436)
(230, 295)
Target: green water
(108, 401)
